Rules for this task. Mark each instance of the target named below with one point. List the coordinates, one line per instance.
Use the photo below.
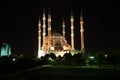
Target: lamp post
(91, 60)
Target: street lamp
(91, 57)
(91, 60)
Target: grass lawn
(47, 72)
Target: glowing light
(52, 48)
(13, 59)
(60, 53)
(105, 55)
(41, 53)
(91, 57)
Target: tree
(68, 59)
(78, 59)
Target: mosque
(55, 42)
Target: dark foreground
(63, 73)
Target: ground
(47, 72)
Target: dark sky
(19, 18)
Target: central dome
(56, 34)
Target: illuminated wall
(5, 50)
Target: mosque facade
(55, 42)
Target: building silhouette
(5, 50)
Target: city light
(5, 50)
(91, 57)
(40, 53)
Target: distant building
(5, 50)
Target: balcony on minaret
(81, 29)
(72, 34)
(72, 27)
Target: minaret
(82, 33)
(39, 38)
(49, 30)
(72, 31)
(63, 25)
(44, 28)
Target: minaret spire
(82, 33)
(39, 34)
(63, 25)
(39, 38)
(49, 29)
(44, 28)
(72, 31)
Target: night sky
(19, 18)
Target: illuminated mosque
(55, 42)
